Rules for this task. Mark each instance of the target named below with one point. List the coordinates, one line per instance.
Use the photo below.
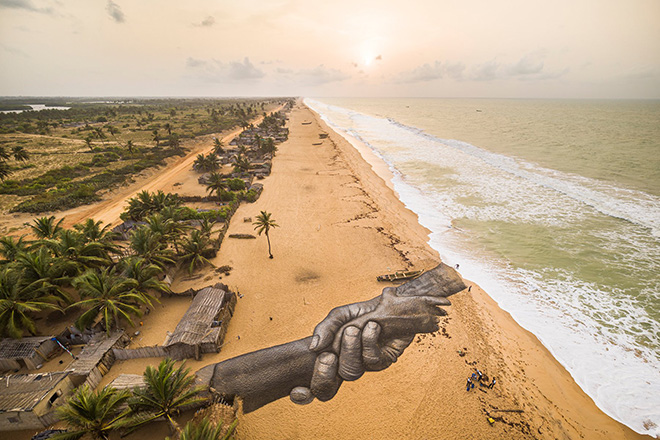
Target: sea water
(553, 207)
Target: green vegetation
(59, 159)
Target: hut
(25, 352)
(127, 382)
(204, 325)
(28, 401)
(96, 358)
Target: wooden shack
(28, 401)
(96, 358)
(127, 382)
(204, 325)
(25, 352)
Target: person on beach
(481, 376)
(467, 385)
(469, 289)
(492, 384)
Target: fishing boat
(400, 275)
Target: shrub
(236, 184)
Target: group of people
(478, 376)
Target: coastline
(422, 396)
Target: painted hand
(366, 336)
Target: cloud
(115, 12)
(431, 72)
(218, 71)
(25, 5)
(487, 71)
(313, 77)
(207, 22)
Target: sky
(343, 48)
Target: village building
(95, 360)
(27, 353)
(204, 325)
(28, 401)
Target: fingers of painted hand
(350, 355)
(377, 356)
(326, 330)
(325, 381)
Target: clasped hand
(366, 336)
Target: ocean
(553, 207)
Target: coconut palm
(5, 169)
(195, 251)
(20, 153)
(206, 163)
(241, 164)
(145, 274)
(88, 143)
(168, 127)
(18, 301)
(167, 390)
(10, 248)
(216, 183)
(107, 297)
(93, 413)
(100, 134)
(150, 246)
(205, 430)
(217, 147)
(130, 146)
(72, 247)
(39, 266)
(46, 227)
(264, 223)
(174, 141)
(156, 137)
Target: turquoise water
(554, 208)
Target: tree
(100, 134)
(46, 227)
(206, 163)
(72, 247)
(168, 127)
(145, 274)
(217, 147)
(156, 137)
(49, 273)
(174, 141)
(10, 248)
(18, 301)
(167, 390)
(93, 413)
(20, 153)
(130, 146)
(206, 431)
(241, 164)
(215, 183)
(5, 169)
(88, 142)
(150, 246)
(264, 223)
(108, 297)
(195, 251)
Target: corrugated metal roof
(195, 326)
(22, 392)
(20, 348)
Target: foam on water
(600, 332)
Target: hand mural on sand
(352, 339)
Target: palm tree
(195, 251)
(156, 137)
(46, 227)
(206, 431)
(174, 141)
(100, 134)
(73, 247)
(10, 248)
(241, 164)
(216, 183)
(217, 147)
(18, 300)
(167, 390)
(107, 296)
(168, 127)
(206, 163)
(93, 413)
(263, 224)
(49, 273)
(88, 143)
(145, 274)
(150, 246)
(20, 153)
(5, 169)
(130, 146)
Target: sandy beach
(341, 225)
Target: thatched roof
(21, 348)
(93, 352)
(22, 392)
(127, 382)
(196, 325)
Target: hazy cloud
(486, 71)
(25, 5)
(214, 70)
(430, 72)
(115, 12)
(317, 76)
(207, 22)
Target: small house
(28, 401)
(25, 352)
(96, 358)
(204, 325)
